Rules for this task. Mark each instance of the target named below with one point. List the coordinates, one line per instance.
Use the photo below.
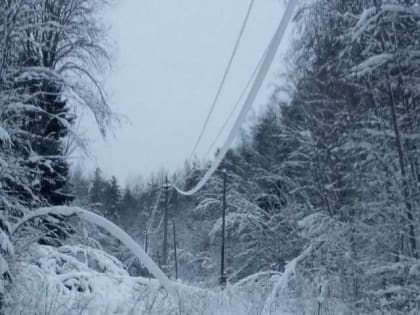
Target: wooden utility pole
(222, 261)
(146, 245)
(175, 255)
(165, 226)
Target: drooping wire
(153, 214)
(222, 82)
(259, 79)
(235, 107)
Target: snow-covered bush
(80, 280)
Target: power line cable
(225, 74)
(262, 73)
(152, 215)
(235, 107)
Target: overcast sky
(169, 59)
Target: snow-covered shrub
(80, 280)
(196, 268)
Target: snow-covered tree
(51, 55)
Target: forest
(317, 205)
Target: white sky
(170, 57)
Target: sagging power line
(225, 75)
(262, 73)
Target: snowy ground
(82, 280)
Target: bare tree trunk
(400, 150)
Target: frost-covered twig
(289, 269)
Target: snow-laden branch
(289, 270)
(111, 228)
(4, 136)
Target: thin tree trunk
(400, 150)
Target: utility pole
(165, 226)
(222, 262)
(175, 255)
(146, 234)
